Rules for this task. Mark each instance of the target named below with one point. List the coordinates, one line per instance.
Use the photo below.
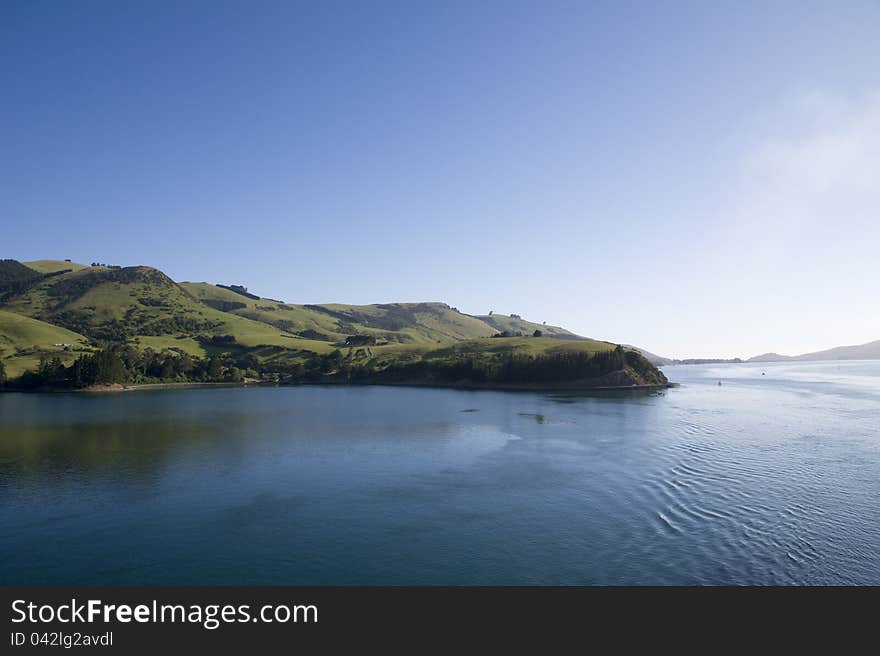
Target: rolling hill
(515, 325)
(15, 277)
(54, 266)
(23, 340)
(405, 323)
(92, 308)
(117, 304)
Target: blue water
(766, 479)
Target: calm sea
(772, 477)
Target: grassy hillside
(289, 318)
(143, 326)
(483, 349)
(418, 323)
(514, 325)
(53, 266)
(15, 278)
(515, 363)
(23, 340)
(113, 304)
(406, 323)
(14, 271)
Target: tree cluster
(126, 364)
(241, 290)
(514, 368)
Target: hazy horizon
(697, 181)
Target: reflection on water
(771, 478)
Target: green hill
(23, 340)
(54, 266)
(414, 323)
(14, 271)
(514, 325)
(507, 363)
(145, 327)
(15, 278)
(405, 323)
(139, 303)
(294, 319)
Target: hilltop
(404, 323)
(515, 325)
(64, 321)
(54, 266)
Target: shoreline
(118, 387)
(509, 387)
(514, 387)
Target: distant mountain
(659, 360)
(769, 357)
(869, 351)
(708, 361)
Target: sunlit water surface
(772, 477)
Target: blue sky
(699, 179)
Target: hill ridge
(208, 331)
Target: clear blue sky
(699, 179)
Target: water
(766, 479)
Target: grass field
(513, 325)
(482, 349)
(143, 307)
(23, 340)
(523, 346)
(415, 323)
(51, 266)
(286, 317)
(141, 302)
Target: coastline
(516, 387)
(577, 386)
(118, 387)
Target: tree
(167, 368)
(215, 368)
(43, 367)
(149, 361)
(2, 374)
(185, 364)
(100, 368)
(108, 368)
(537, 333)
